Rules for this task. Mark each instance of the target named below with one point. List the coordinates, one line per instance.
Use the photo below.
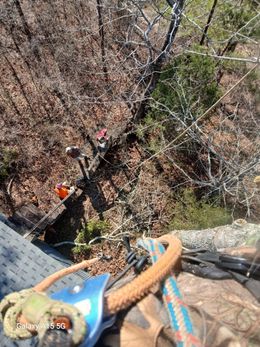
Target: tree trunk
(230, 46)
(26, 28)
(156, 67)
(208, 22)
(16, 77)
(25, 24)
(102, 37)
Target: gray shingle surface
(52, 252)
(22, 265)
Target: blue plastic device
(89, 299)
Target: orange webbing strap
(140, 286)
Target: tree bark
(102, 38)
(156, 67)
(208, 22)
(25, 24)
(20, 84)
(26, 28)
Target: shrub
(229, 16)
(192, 214)
(236, 16)
(186, 88)
(81, 250)
(92, 229)
(190, 78)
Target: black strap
(217, 266)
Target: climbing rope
(177, 310)
(14, 307)
(141, 285)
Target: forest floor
(101, 200)
(120, 174)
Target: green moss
(192, 214)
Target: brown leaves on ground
(116, 263)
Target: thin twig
(254, 60)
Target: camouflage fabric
(240, 233)
(226, 302)
(223, 312)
